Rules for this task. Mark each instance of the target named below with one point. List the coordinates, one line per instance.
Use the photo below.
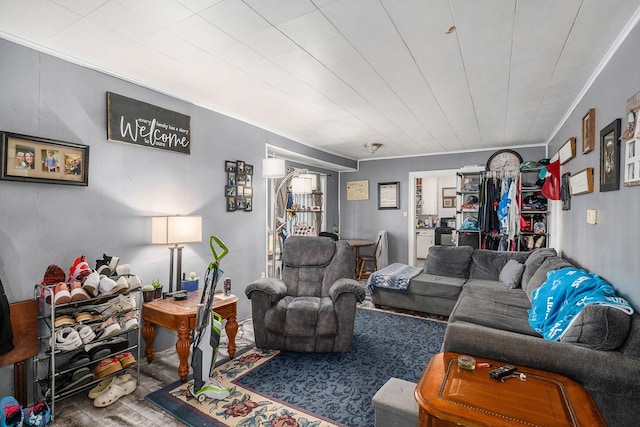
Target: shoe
(134, 281)
(106, 285)
(61, 294)
(86, 334)
(117, 305)
(113, 393)
(37, 415)
(529, 240)
(107, 265)
(107, 367)
(101, 349)
(129, 321)
(108, 327)
(539, 242)
(79, 270)
(65, 320)
(121, 285)
(103, 385)
(79, 377)
(123, 270)
(126, 359)
(85, 316)
(11, 415)
(66, 339)
(92, 283)
(77, 292)
(78, 359)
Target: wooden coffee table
(180, 316)
(449, 396)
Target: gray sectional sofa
(487, 303)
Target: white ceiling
(335, 74)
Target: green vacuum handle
(213, 249)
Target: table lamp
(173, 230)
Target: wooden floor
(133, 410)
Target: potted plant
(148, 292)
(157, 287)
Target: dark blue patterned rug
(317, 389)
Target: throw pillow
(451, 261)
(599, 327)
(511, 274)
(535, 260)
(539, 277)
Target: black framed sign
(42, 160)
(388, 195)
(610, 157)
(139, 123)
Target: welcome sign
(136, 122)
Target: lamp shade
(169, 230)
(301, 185)
(273, 168)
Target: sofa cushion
(492, 315)
(599, 327)
(437, 286)
(495, 291)
(452, 261)
(533, 262)
(487, 265)
(631, 347)
(511, 274)
(539, 277)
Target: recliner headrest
(302, 251)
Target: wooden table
(357, 244)
(180, 316)
(448, 396)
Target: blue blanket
(564, 294)
(394, 276)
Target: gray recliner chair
(313, 307)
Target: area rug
(277, 389)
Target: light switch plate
(592, 216)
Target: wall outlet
(592, 216)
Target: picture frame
(358, 190)
(389, 195)
(632, 163)
(238, 188)
(567, 151)
(589, 131)
(41, 160)
(448, 197)
(610, 156)
(581, 182)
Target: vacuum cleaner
(206, 335)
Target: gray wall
(609, 248)
(44, 224)
(362, 219)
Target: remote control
(502, 371)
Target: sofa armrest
(274, 289)
(600, 372)
(344, 285)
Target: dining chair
(372, 259)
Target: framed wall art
(238, 188)
(448, 197)
(358, 190)
(631, 138)
(565, 193)
(581, 182)
(589, 131)
(388, 195)
(610, 157)
(567, 151)
(41, 160)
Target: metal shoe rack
(51, 365)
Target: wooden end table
(180, 316)
(448, 395)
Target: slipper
(79, 359)
(83, 377)
(102, 349)
(77, 293)
(126, 359)
(102, 386)
(66, 339)
(110, 396)
(38, 415)
(64, 321)
(86, 334)
(107, 367)
(84, 316)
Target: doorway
(426, 207)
